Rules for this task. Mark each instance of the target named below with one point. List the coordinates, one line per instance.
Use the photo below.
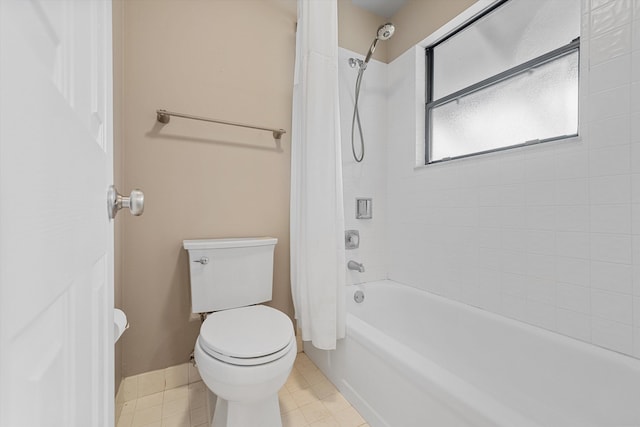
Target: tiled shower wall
(548, 234)
(368, 178)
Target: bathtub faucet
(352, 265)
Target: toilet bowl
(244, 356)
(245, 351)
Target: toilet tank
(230, 273)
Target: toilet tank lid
(241, 242)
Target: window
(508, 78)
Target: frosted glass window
(516, 32)
(507, 79)
(534, 105)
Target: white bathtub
(412, 358)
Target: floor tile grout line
(306, 382)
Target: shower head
(385, 31)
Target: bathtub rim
(608, 354)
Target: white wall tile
(610, 74)
(572, 270)
(513, 216)
(576, 325)
(539, 167)
(612, 306)
(611, 248)
(610, 189)
(635, 218)
(515, 284)
(585, 22)
(609, 103)
(540, 314)
(572, 244)
(514, 307)
(635, 158)
(635, 126)
(490, 216)
(635, 65)
(572, 160)
(610, 131)
(635, 249)
(610, 161)
(594, 5)
(512, 169)
(554, 224)
(609, 16)
(511, 239)
(541, 217)
(572, 191)
(573, 297)
(366, 179)
(635, 99)
(541, 290)
(635, 34)
(610, 45)
(613, 335)
(636, 280)
(540, 193)
(541, 242)
(491, 258)
(542, 266)
(572, 218)
(611, 219)
(515, 262)
(635, 188)
(612, 277)
(489, 289)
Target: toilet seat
(247, 336)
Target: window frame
(567, 49)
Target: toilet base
(263, 413)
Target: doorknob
(116, 201)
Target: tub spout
(352, 265)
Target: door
(56, 242)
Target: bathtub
(412, 358)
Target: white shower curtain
(317, 211)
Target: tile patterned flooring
(308, 399)
(184, 406)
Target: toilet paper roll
(120, 324)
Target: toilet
(245, 351)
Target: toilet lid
(246, 333)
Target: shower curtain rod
(164, 116)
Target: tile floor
(308, 399)
(184, 406)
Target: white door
(56, 242)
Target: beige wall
(231, 60)
(357, 28)
(419, 18)
(227, 59)
(416, 20)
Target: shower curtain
(317, 211)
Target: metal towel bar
(164, 117)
